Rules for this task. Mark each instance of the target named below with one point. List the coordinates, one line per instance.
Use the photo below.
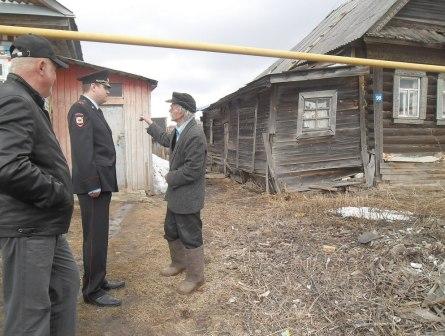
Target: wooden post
(237, 138)
(378, 118)
(363, 132)
(226, 146)
(270, 165)
(273, 110)
(254, 133)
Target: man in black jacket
(185, 192)
(40, 276)
(94, 179)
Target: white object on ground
(373, 213)
(160, 169)
(416, 265)
(413, 158)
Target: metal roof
(44, 13)
(267, 80)
(152, 82)
(345, 24)
(35, 7)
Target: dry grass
(277, 264)
(283, 280)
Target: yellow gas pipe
(213, 47)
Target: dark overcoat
(186, 177)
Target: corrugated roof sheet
(35, 7)
(347, 23)
(10, 8)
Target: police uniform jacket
(36, 196)
(92, 149)
(186, 177)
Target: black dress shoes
(113, 285)
(105, 300)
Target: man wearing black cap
(185, 192)
(94, 179)
(40, 276)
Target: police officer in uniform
(94, 179)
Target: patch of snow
(416, 265)
(160, 169)
(412, 158)
(373, 213)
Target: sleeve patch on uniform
(79, 117)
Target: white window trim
(332, 94)
(409, 92)
(422, 103)
(440, 114)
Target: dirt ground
(279, 265)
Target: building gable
(47, 14)
(417, 21)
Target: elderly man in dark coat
(185, 192)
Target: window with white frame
(441, 99)
(316, 113)
(410, 97)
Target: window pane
(310, 114)
(116, 90)
(308, 124)
(403, 99)
(323, 123)
(310, 104)
(323, 103)
(322, 113)
(316, 113)
(409, 83)
(413, 104)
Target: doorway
(114, 115)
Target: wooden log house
(302, 125)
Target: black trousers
(95, 214)
(186, 227)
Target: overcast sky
(206, 76)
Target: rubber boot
(177, 255)
(194, 270)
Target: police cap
(100, 77)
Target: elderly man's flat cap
(183, 99)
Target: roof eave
(153, 83)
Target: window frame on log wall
(440, 115)
(422, 80)
(332, 112)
